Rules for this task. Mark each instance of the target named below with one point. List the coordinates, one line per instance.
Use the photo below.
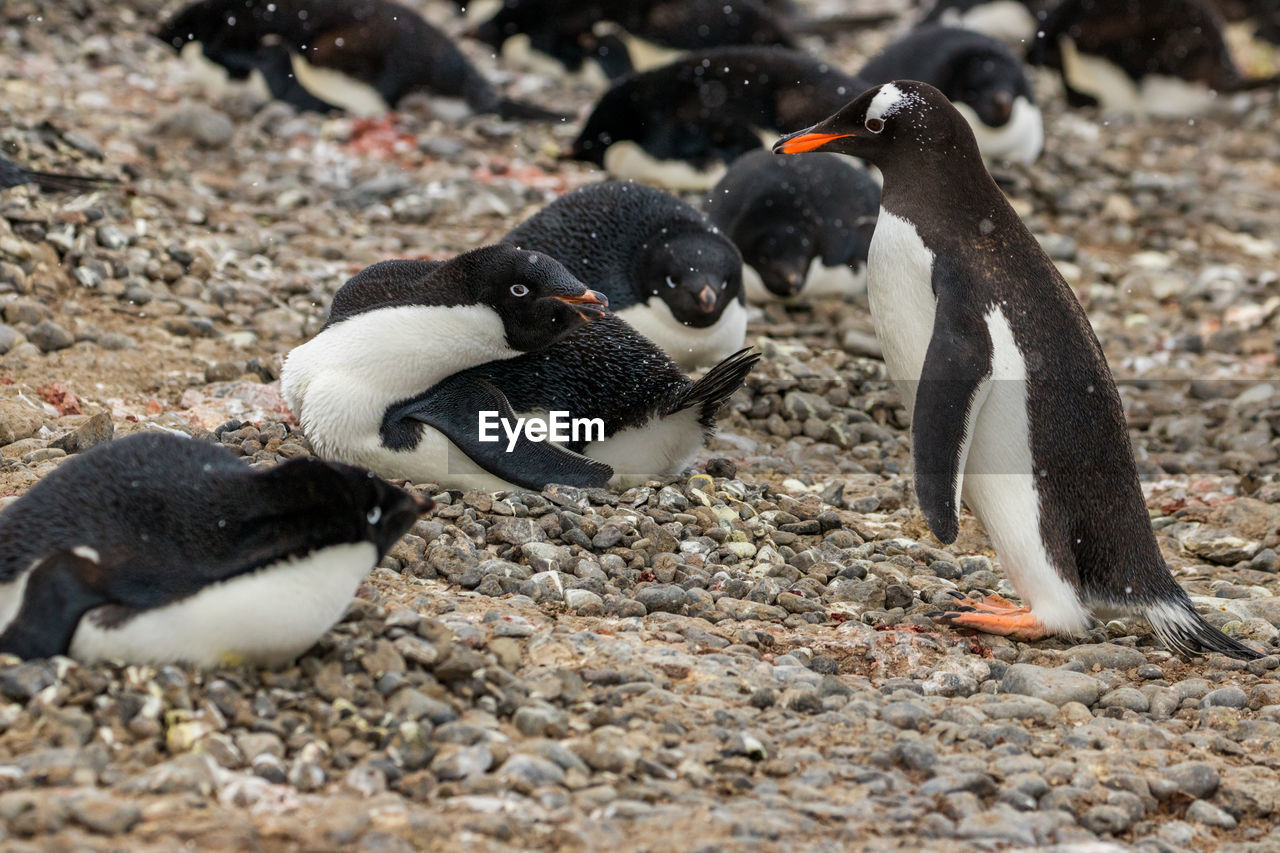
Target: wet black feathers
(934, 54)
(13, 175)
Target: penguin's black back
(597, 232)
(931, 54)
(702, 24)
(180, 512)
(707, 105)
(821, 192)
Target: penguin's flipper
(953, 385)
(59, 591)
(453, 407)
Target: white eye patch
(889, 100)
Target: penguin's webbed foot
(994, 614)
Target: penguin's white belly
(645, 54)
(627, 161)
(1116, 91)
(269, 616)
(11, 595)
(660, 448)
(1020, 139)
(477, 12)
(689, 346)
(1000, 487)
(341, 90)
(900, 294)
(821, 280)
(518, 52)
(1006, 20)
(203, 72)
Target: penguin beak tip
(423, 504)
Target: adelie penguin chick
(666, 270)
(983, 79)
(680, 125)
(385, 385)
(1013, 22)
(13, 175)
(1012, 404)
(363, 56)
(803, 224)
(156, 548)
(1157, 57)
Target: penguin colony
(599, 304)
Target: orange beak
(590, 297)
(806, 142)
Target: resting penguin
(666, 270)
(803, 224)
(381, 384)
(982, 77)
(678, 126)
(1157, 57)
(359, 55)
(1012, 405)
(1013, 22)
(157, 548)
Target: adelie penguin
(680, 125)
(156, 548)
(666, 270)
(982, 77)
(412, 354)
(1157, 57)
(363, 56)
(803, 224)
(1013, 407)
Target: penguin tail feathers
(712, 391)
(1185, 632)
(510, 108)
(58, 182)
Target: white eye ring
(375, 515)
(670, 282)
(519, 290)
(875, 125)
(724, 284)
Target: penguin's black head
(780, 252)
(538, 300)
(898, 123)
(989, 81)
(696, 274)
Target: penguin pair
(666, 270)
(680, 125)
(802, 224)
(1157, 57)
(419, 361)
(157, 548)
(1013, 407)
(363, 56)
(985, 81)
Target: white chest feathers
(1019, 140)
(1007, 20)
(689, 346)
(266, 617)
(1116, 92)
(900, 293)
(518, 52)
(341, 90)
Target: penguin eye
(519, 290)
(375, 515)
(724, 284)
(875, 125)
(670, 282)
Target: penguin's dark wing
(953, 386)
(59, 591)
(453, 407)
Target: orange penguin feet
(994, 614)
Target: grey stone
(1225, 697)
(1058, 686)
(906, 715)
(9, 338)
(526, 772)
(662, 598)
(1197, 779)
(461, 762)
(1106, 656)
(541, 720)
(105, 815)
(22, 681)
(98, 429)
(1202, 811)
(1125, 697)
(516, 531)
(1106, 820)
(584, 602)
(49, 336)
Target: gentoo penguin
(359, 55)
(382, 385)
(13, 175)
(157, 548)
(1156, 57)
(666, 270)
(1013, 22)
(626, 35)
(1012, 404)
(678, 126)
(982, 77)
(803, 224)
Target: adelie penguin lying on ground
(156, 548)
(359, 55)
(415, 351)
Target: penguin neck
(958, 195)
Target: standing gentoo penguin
(803, 224)
(678, 126)
(982, 77)
(359, 55)
(1158, 57)
(379, 385)
(156, 548)
(665, 269)
(1012, 404)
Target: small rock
(1202, 811)
(105, 815)
(49, 336)
(1058, 686)
(98, 429)
(22, 681)
(662, 598)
